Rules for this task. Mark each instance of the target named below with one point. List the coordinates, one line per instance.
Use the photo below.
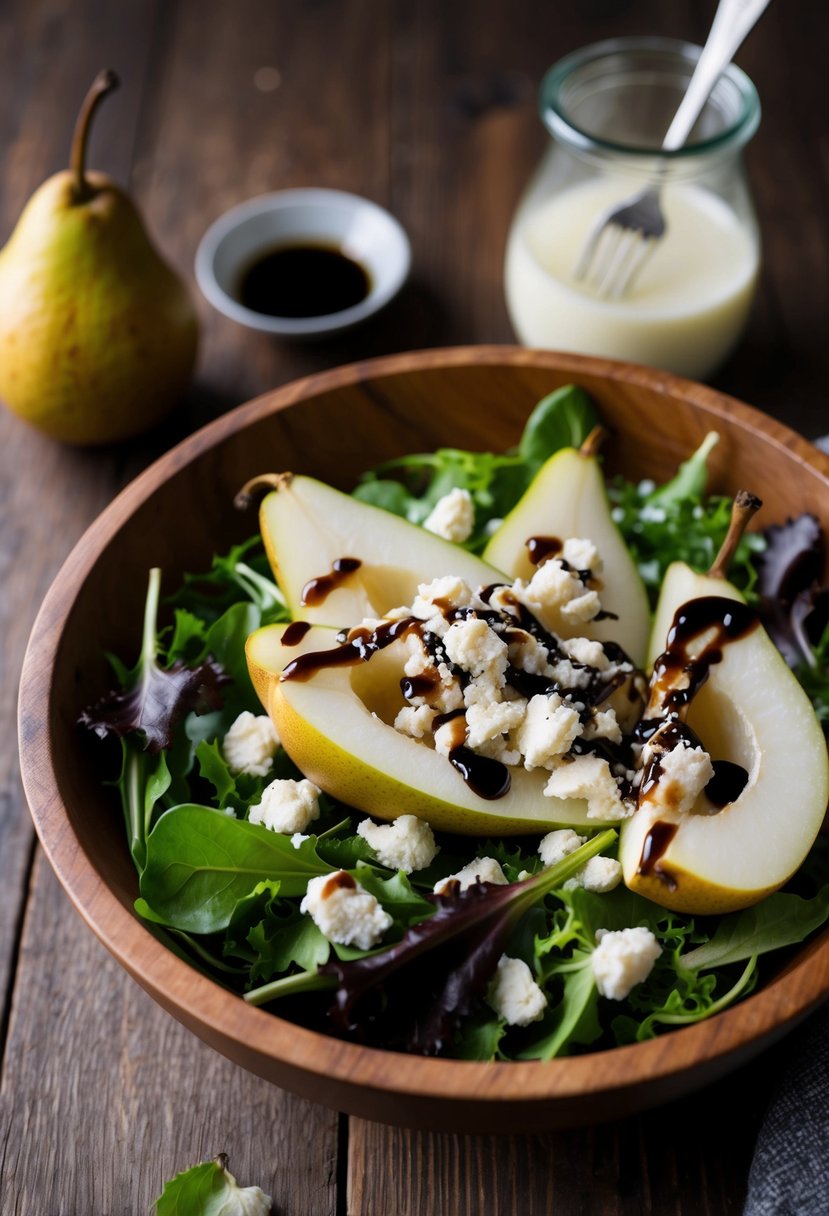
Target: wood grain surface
(429, 108)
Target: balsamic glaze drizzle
(725, 619)
(295, 632)
(316, 590)
(701, 629)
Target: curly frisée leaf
(210, 1190)
(158, 698)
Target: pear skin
(98, 336)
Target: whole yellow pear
(98, 336)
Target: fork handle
(732, 22)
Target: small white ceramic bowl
(359, 228)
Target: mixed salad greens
(225, 893)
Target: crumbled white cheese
(452, 517)
(298, 838)
(472, 645)
(250, 744)
(603, 724)
(548, 730)
(486, 721)
(499, 749)
(599, 874)
(484, 689)
(482, 869)
(569, 675)
(557, 597)
(589, 777)
(623, 959)
(450, 735)
(585, 650)
(344, 912)
(582, 554)
(447, 693)
(407, 844)
(448, 590)
(513, 993)
(287, 806)
(555, 846)
(684, 773)
(415, 720)
(528, 654)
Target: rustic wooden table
(430, 109)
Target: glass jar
(607, 108)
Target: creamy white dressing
(687, 308)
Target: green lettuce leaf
(201, 862)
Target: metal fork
(624, 237)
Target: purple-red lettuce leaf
(452, 955)
(789, 571)
(157, 698)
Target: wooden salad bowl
(179, 513)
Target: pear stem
(744, 506)
(105, 82)
(593, 442)
(263, 481)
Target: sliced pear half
(308, 526)
(336, 726)
(567, 498)
(679, 585)
(752, 712)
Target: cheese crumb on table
(287, 806)
(343, 912)
(452, 517)
(623, 959)
(407, 844)
(513, 993)
(482, 869)
(250, 744)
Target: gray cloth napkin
(790, 1169)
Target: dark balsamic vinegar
(310, 280)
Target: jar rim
(554, 116)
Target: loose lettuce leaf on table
(210, 1190)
